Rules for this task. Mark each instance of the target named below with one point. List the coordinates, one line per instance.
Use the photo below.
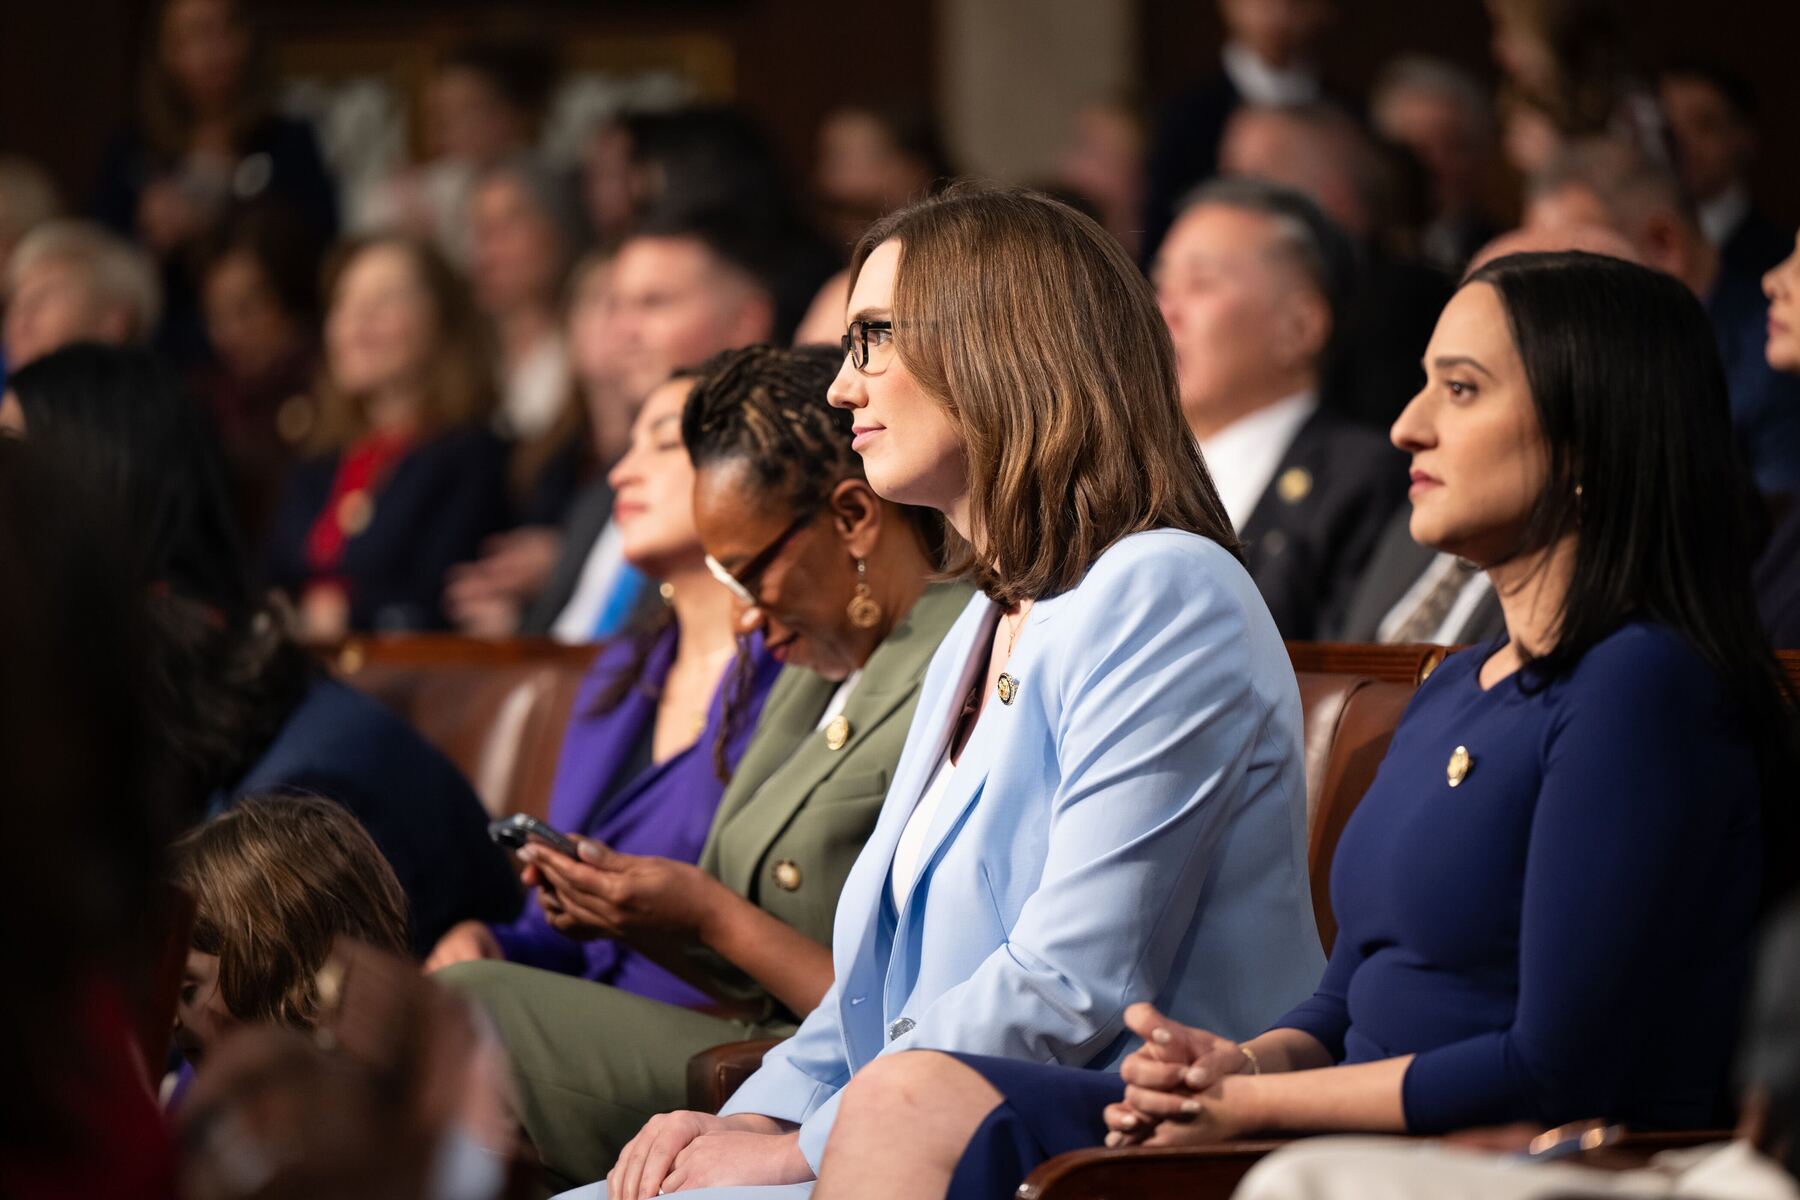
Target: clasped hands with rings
(1180, 1088)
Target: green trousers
(591, 1063)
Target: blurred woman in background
(524, 235)
(260, 294)
(406, 476)
(209, 138)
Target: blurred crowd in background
(420, 378)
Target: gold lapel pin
(1295, 484)
(1008, 687)
(1461, 763)
(837, 732)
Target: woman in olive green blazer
(836, 579)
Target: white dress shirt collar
(1242, 457)
(1259, 83)
(1720, 216)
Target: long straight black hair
(1630, 395)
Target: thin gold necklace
(1007, 686)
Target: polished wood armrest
(1213, 1172)
(1190, 1172)
(715, 1073)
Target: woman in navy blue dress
(1546, 899)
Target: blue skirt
(1047, 1110)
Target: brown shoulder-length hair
(276, 880)
(1043, 341)
(460, 388)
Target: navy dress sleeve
(1326, 1013)
(1636, 852)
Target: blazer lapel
(966, 783)
(790, 756)
(858, 951)
(787, 721)
(1272, 510)
(597, 747)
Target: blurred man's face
(860, 168)
(1571, 206)
(206, 49)
(1712, 147)
(1280, 32)
(674, 304)
(516, 249)
(53, 305)
(1661, 238)
(1441, 134)
(1271, 145)
(1230, 304)
(245, 322)
(467, 120)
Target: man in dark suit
(1711, 113)
(1412, 593)
(1610, 183)
(1252, 280)
(1267, 59)
(680, 292)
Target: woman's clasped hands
(1183, 1086)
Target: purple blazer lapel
(597, 746)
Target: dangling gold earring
(864, 610)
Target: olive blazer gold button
(787, 875)
(837, 732)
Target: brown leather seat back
(1323, 698)
(501, 723)
(1348, 721)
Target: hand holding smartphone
(515, 831)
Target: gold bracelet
(1247, 1052)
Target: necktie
(1421, 624)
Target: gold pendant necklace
(1007, 687)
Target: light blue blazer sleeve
(801, 1074)
(1084, 857)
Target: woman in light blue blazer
(1100, 800)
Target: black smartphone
(514, 831)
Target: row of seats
(498, 710)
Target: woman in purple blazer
(660, 722)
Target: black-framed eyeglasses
(742, 582)
(866, 342)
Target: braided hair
(764, 408)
